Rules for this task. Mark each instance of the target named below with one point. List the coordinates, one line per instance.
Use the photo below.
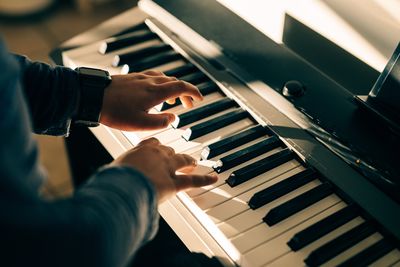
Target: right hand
(159, 163)
(128, 99)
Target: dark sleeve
(103, 224)
(52, 94)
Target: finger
(155, 121)
(188, 169)
(187, 101)
(153, 73)
(163, 79)
(176, 89)
(138, 76)
(180, 161)
(185, 181)
(150, 141)
(168, 150)
(171, 101)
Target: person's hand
(160, 163)
(128, 99)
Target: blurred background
(34, 28)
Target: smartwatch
(92, 83)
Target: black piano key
(282, 188)
(129, 57)
(207, 88)
(297, 204)
(369, 255)
(126, 40)
(138, 27)
(323, 227)
(234, 141)
(246, 173)
(203, 112)
(338, 245)
(181, 70)
(195, 78)
(204, 88)
(154, 61)
(247, 153)
(214, 124)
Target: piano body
(305, 176)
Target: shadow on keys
(167, 250)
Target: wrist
(92, 83)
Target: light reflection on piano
(218, 216)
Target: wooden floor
(36, 38)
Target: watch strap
(91, 97)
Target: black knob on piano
(293, 89)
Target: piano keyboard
(270, 207)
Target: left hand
(160, 165)
(128, 99)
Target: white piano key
(281, 255)
(203, 168)
(391, 259)
(224, 192)
(239, 203)
(263, 233)
(169, 136)
(196, 153)
(250, 218)
(201, 190)
(137, 136)
(360, 246)
(88, 56)
(170, 65)
(181, 145)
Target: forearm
(52, 94)
(129, 199)
(103, 224)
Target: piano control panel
(275, 203)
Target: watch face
(93, 72)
